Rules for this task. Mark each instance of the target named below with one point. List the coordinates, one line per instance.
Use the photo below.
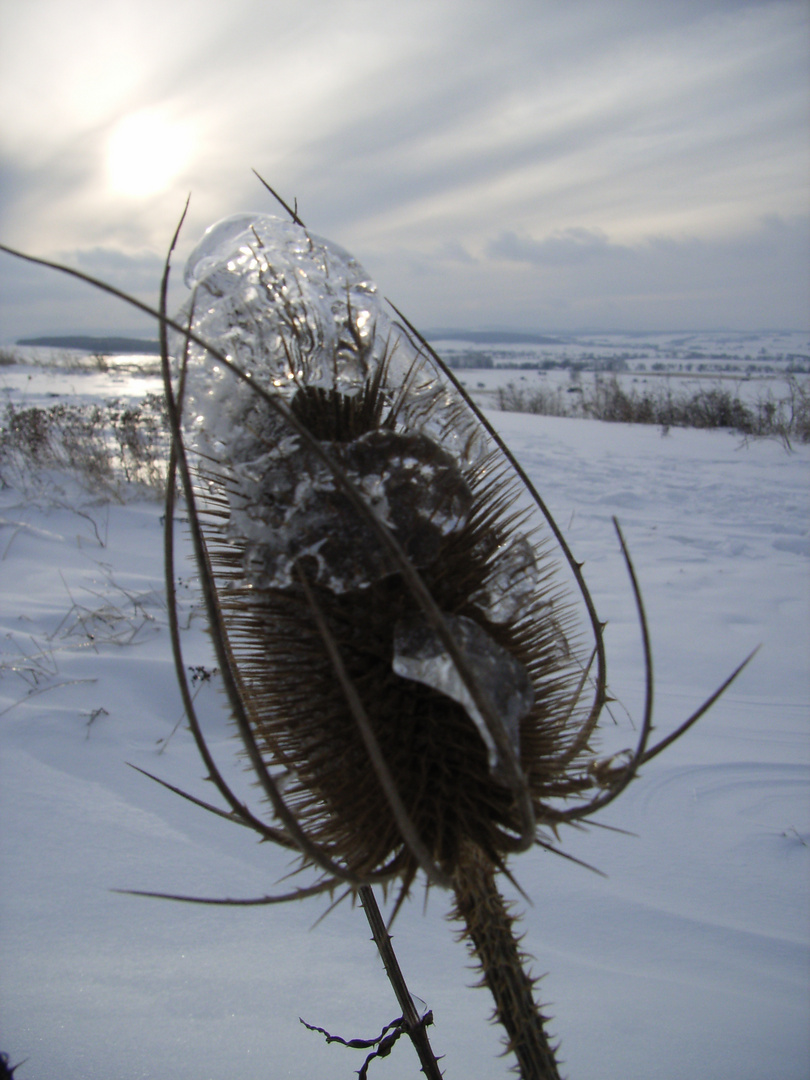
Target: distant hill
(493, 337)
(136, 345)
(104, 345)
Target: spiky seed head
(303, 574)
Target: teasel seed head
(384, 595)
(321, 614)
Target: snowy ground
(691, 959)
(752, 367)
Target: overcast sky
(531, 164)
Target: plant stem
(416, 1025)
(489, 927)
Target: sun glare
(144, 154)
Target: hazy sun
(144, 153)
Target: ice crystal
(420, 655)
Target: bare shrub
(101, 445)
(140, 431)
(542, 401)
(786, 417)
(58, 437)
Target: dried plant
(103, 446)
(401, 628)
(784, 417)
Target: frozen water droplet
(282, 301)
(217, 239)
(420, 655)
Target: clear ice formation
(278, 300)
(295, 311)
(420, 655)
(509, 590)
(287, 508)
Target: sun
(144, 153)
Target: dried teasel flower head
(398, 637)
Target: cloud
(38, 301)
(522, 137)
(567, 247)
(569, 280)
(759, 278)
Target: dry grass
(786, 417)
(105, 446)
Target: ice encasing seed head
(303, 573)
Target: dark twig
(415, 1025)
(696, 715)
(383, 1044)
(7, 1071)
(293, 212)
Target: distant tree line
(105, 345)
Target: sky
(522, 164)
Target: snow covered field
(691, 959)
(754, 368)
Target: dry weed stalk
(402, 657)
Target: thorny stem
(416, 1025)
(488, 925)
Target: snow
(691, 958)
